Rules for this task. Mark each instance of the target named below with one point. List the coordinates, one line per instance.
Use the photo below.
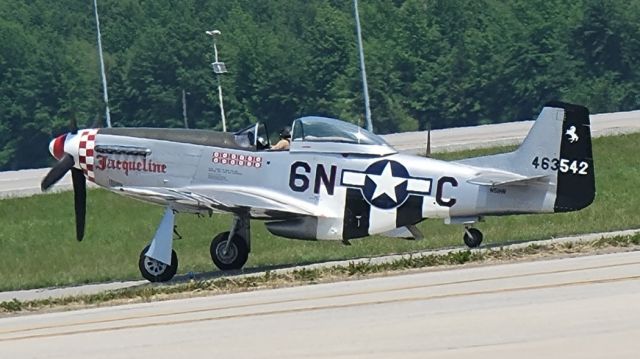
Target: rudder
(576, 177)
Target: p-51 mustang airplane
(337, 181)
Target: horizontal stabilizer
(495, 179)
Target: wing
(496, 179)
(261, 203)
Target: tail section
(560, 143)
(557, 147)
(576, 184)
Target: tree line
(438, 63)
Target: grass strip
(304, 276)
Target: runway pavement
(582, 307)
(502, 134)
(27, 182)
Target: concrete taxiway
(502, 134)
(582, 307)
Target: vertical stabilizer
(558, 148)
(560, 143)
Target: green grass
(38, 245)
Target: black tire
(237, 254)
(155, 271)
(474, 240)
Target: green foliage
(13, 305)
(429, 62)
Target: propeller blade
(57, 172)
(97, 122)
(73, 125)
(80, 200)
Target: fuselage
(337, 181)
(352, 195)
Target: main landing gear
(230, 250)
(158, 261)
(155, 271)
(472, 237)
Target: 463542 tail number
(561, 164)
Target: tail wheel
(155, 271)
(472, 237)
(230, 257)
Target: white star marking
(386, 183)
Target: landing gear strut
(472, 237)
(158, 261)
(230, 250)
(155, 271)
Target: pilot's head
(285, 132)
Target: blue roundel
(385, 184)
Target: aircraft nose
(56, 146)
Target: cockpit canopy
(328, 135)
(253, 137)
(317, 134)
(324, 129)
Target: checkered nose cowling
(80, 146)
(86, 145)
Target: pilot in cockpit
(285, 140)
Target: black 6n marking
(300, 174)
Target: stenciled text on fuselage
(143, 165)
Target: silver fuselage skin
(338, 191)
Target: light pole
(104, 76)
(184, 108)
(365, 89)
(219, 68)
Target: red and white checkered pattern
(86, 153)
(234, 159)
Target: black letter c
(451, 201)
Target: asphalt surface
(582, 307)
(27, 182)
(509, 133)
